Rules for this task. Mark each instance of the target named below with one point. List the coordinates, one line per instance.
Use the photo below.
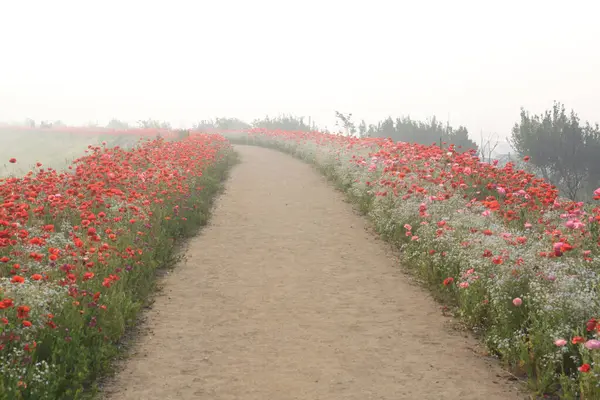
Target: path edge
(216, 177)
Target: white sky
(183, 61)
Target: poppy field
(79, 251)
(58, 147)
(497, 245)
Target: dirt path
(287, 296)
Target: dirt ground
(286, 295)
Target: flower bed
(79, 251)
(518, 264)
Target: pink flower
(407, 227)
(558, 246)
(528, 225)
(560, 342)
(592, 344)
(570, 224)
(463, 285)
(517, 301)
(597, 194)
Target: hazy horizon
(182, 62)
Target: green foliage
(562, 149)
(227, 123)
(154, 124)
(221, 124)
(431, 132)
(284, 122)
(347, 124)
(362, 129)
(117, 124)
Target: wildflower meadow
(79, 250)
(517, 263)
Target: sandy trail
(285, 295)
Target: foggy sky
(477, 62)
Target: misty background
(469, 63)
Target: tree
(592, 146)
(560, 148)
(346, 122)
(205, 125)
(460, 138)
(432, 131)
(487, 147)
(117, 124)
(154, 124)
(362, 129)
(284, 122)
(230, 124)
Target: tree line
(561, 148)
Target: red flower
(12, 160)
(6, 303)
(584, 368)
(577, 340)
(23, 312)
(48, 228)
(87, 276)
